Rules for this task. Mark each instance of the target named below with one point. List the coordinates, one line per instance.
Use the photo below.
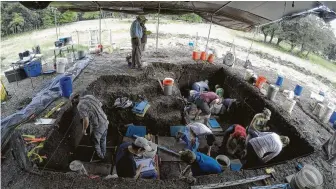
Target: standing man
(204, 103)
(91, 112)
(144, 34)
(136, 35)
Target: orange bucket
(168, 82)
(211, 58)
(260, 81)
(195, 55)
(203, 55)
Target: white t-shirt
(199, 129)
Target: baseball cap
(142, 143)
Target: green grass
(285, 48)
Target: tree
(90, 15)
(17, 23)
(68, 17)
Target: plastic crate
(33, 68)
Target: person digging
(204, 104)
(191, 134)
(262, 147)
(125, 161)
(234, 141)
(200, 164)
(91, 112)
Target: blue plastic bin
(279, 81)
(33, 69)
(298, 90)
(333, 118)
(66, 86)
(135, 130)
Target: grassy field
(285, 47)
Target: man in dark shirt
(200, 164)
(125, 163)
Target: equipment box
(15, 75)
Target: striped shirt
(269, 143)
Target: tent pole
(55, 24)
(100, 15)
(206, 47)
(157, 30)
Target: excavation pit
(166, 111)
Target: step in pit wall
(164, 111)
(252, 102)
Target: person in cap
(234, 141)
(264, 146)
(200, 163)
(91, 112)
(144, 34)
(205, 103)
(136, 35)
(219, 91)
(125, 162)
(191, 134)
(260, 120)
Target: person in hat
(191, 134)
(144, 34)
(264, 146)
(234, 141)
(136, 36)
(200, 163)
(91, 112)
(260, 120)
(125, 162)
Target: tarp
(49, 93)
(238, 15)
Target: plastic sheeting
(49, 93)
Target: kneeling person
(125, 162)
(191, 134)
(200, 163)
(265, 146)
(234, 141)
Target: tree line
(15, 18)
(309, 34)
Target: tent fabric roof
(238, 15)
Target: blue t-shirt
(205, 165)
(125, 163)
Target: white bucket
(248, 74)
(327, 113)
(318, 110)
(289, 105)
(308, 177)
(60, 65)
(70, 58)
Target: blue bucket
(298, 90)
(279, 81)
(333, 118)
(66, 86)
(191, 44)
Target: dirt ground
(172, 49)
